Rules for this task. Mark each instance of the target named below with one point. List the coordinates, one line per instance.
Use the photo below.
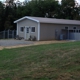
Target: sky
(76, 0)
(59, 0)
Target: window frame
(27, 29)
(77, 31)
(74, 28)
(31, 29)
(21, 30)
(67, 28)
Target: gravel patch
(8, 43)
(12, 43)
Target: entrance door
(27, 33)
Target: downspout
(38, 31)
(17, 28)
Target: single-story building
(48, 28)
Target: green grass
(59, 61)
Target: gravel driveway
(12, 42)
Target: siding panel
(48, 31)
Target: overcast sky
(76, 0)
(59, 0)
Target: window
(22, 29)
(74, 27)
(27, 30)
(66, 27)
(33, 29)
(76, 30)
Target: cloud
(78, 1)
(58, 0)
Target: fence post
(4, 34)
(8, 34)
(13, 33)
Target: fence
(7, 34)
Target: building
(48, 28)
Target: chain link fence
(7, 34)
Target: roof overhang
(60, 23)
(50, 20)
(26, 18)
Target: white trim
(19, 20)
(26, 17)
(25, 33)
(38, 31)
(32, 19)
(17, 29)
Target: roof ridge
(49, 20)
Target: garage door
(74, 36)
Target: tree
(10, 3)
(41, 7)
(1, 15)
(68, 9)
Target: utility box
(61, 36)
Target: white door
(27, 33)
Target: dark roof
(50, 20)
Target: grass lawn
(59, 61)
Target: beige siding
(29, 23)
(47, 31)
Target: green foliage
(39, 8)
(1, 15)
(69, 10)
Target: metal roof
(50, 20)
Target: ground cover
(58, 61)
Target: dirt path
(49, 42)
(1, 48)
(35, 43)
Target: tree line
(67, 9)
